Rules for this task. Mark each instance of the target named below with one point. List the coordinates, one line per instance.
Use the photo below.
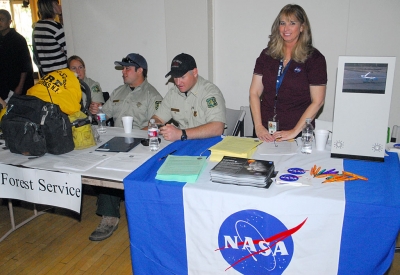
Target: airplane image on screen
(367, 78)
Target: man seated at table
(195, 103)
(136, 98)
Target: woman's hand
(284, 135)
(262, 134)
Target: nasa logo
(289, 177)
(254, 242)
(296, 171)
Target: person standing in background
(77, 65)
(16, 72)
(289, 79)
(49, 40)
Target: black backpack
(34, 127)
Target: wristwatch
(184, 136)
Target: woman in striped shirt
(49, 38)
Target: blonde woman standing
(289, 80)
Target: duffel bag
(23, 136)
(50, 123)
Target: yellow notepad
(234, 147)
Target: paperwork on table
(278, 148)
(81, 162)
(181, 168)
(234, 147)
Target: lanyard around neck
(279, 78)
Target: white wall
(102, 32)
(225, 37)
(340, 27)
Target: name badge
(174, 110)
(273, 126)
(116, 100)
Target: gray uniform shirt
(95, 91)
(204, 103)
(141, 103)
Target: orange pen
(354, 175)
(316, 172)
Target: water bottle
(307, 137)
(101, 120)
(152, 133)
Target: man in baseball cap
(136, 98)
(194, 102)
(132, 59)
(181, 64)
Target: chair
(234, 122)
(395, 137)
(106, 96)
(248, 122)
(110, 121)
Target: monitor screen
(369, 78)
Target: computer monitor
(362, 106)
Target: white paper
(278, 148)
(81, 162)
(124, 161)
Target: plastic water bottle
(307, 137)
(152, 133)
(101, 120)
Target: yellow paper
(234, 147)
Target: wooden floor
(57, 243)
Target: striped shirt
(50, 45)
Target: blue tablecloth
(157, 229)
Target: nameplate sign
(41, 186)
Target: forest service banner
(41, 186)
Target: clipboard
(119, 144)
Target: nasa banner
(248, 230)
(41, 186)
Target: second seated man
(136, 98)
(194, 102)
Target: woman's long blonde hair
(303, 47)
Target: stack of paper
(235, 147)
(243, 171)
(181, 168)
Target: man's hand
(94, 107)
(170, 132)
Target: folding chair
(234, 122)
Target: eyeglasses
(130, 61)
(276, 145)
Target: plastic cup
(127, 122)
(321, 137)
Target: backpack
(34, 127)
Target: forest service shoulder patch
(95, 89)
(211, 102)
(157, 104)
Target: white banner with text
(41, 186)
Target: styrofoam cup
(127, 122)
(321, 137)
